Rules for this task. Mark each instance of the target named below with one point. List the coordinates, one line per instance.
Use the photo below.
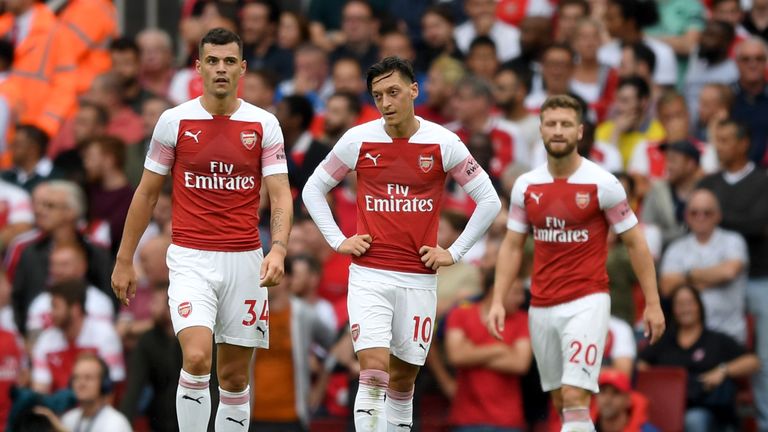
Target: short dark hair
(221, 36)
(353, 102)
(522, 75)
(728, 31)
(312, 262)
(36, 135)
(102, 115)
(716, 3)
(583, 4)
(564, 101)
(125, 44)
(443, 11)
(643, 53)
(558, 46)
(269, 77)
(72, 291)
(742, 130)
(387, 66)
(480, 41)
(640, 85)
(669, 96)
(478, 86)
(644, 13)
(110, 145)
(300, 106)
(272, 6)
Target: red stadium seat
(665, 388)
(328, 424)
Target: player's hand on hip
(435, 257)
(653, 319)
(272, 269)
(124, 282)
(356, 245)
(496, 316)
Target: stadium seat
(328, 424)
(665, 388)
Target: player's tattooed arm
(281, 207)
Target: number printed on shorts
(590, 354)
(423, 327)
(252, 315)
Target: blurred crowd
(676, 95)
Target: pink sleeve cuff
(466, 170)
(273, 155)
(335, 168)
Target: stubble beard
(559, 154)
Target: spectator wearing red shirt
(488, 395)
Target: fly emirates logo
(555, 232)
(398, 201)
(220, 179)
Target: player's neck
(564, 167)
(223, 107)
(405, 129)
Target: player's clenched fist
(435, 257)
(654, 322)
(496, 316)
(124, 282)
(356, 245)
(272, 269)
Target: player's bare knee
(235, 381)
(573, 397)
(197, 361)
(374, 358)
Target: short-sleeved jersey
(217, 164)
(400, 184)
(569, 219)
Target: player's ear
(198, 65)
(243, 67)
(581, 130)
(414, 90)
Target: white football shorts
(383, 315)
(568, 341)
(219, 290)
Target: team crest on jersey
(248, 138)
(426, 162)
(185, 309)
(582, 199)
(355, 331)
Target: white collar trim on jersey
(737, 176)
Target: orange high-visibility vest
(88, 27)
(41, 85)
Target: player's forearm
(139, 214)
(281, 218)
(488, 207)
(314, 199)
(642, 264)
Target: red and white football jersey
(217, 164)
(508, 143)
(570, 220)
(97, 305)
(400, 185)
(53, 357)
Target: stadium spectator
(664, 205)
(108, 191)
(151, 110)
(473, 104)
(625, 21)
(259, 20)
(126, 63)
(593, 81)
(259, 88)
(61, 208)
(305, 279)
(715, 101)
(124, 123)
(482, 21)
(557, 63)
(630, 124)
(731, 12)
(341, 114)
(620, 347)
(12, 370)
(713, 360)
(756, 19)
(91, 120)
(437, 26)
(740, 189)
(481, 58)
(311, 78)
(712, 260)
(41, 91)
(618, 407)
(67, 264)
(281, 375)
(488, 370)
(535, 37)
(156, 69)
(510, 88)
(87, 27)
(55, 351)
(462, 280)
(359, 27)
(30, 166)
(443, 75)
(569, 13)
(750, 103)
(304, 153)
(709, 63)
(93, 388)
(680, 25)
(292, 31)
(638, 59)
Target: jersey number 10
(426, 328)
